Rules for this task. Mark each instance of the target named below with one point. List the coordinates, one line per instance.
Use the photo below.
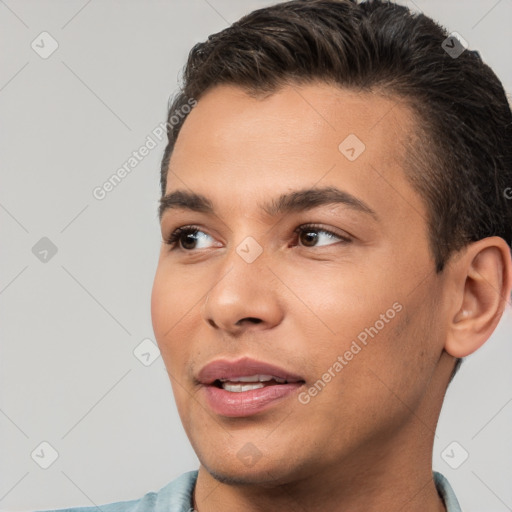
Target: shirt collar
(446, 492)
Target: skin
(365, 441)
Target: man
(336, 239)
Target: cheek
(169, 314)
(172, 299)
(163, 302)
(337, 303)
(347, 326)
(396, 362)
(366, 330)
(170, 307)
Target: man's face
(355, 315)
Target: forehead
(239, 147)
(313, 116)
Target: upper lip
(243, 367)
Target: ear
(481, 283)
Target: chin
(264, 472)
(236, 477)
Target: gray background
(69, 325)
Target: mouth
(246, 387)
(248, 383)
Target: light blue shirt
(176, 496)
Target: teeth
(254, 378)
(250, 382)
(240, 388)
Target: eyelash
(177, 233)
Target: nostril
(250, 319)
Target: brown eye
(308, 238)
(188, 239)
(311, 235)
(185, 238)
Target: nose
(243, 298)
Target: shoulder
(175, 496)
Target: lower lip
(247, 403)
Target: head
(353, 118)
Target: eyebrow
(298, 200)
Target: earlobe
(482, 282)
